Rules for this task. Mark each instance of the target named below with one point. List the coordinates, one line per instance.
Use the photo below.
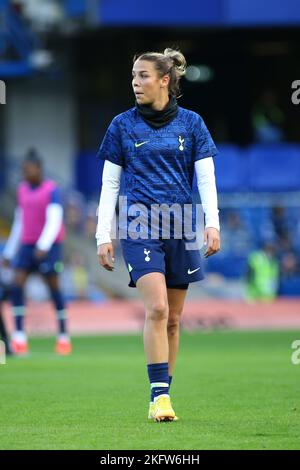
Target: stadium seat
(274, 167)
(88, 170)
(290, 287)
(75, 8)
(232, 267)
(231, 166)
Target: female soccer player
(159, 146)
(38, 229)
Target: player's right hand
(105, 254)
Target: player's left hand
(40, 254)
(212, 241)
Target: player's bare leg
(176, 298)
(19, 344)
(63, 344)
(153, 291)
(152, 288)
(21, 277)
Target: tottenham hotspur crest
(146, 252)
(181, 141)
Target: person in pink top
(35, 244)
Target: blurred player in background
(3, 329)
(263, 274)
(159, 145)
(35, 244)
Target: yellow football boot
(151, 413)
(161, 410)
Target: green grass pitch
(231, 390)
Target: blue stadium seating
(88, 174)
(231, 169)
(274, 167)
(14, 33)
(290, 287)
(259, 168)
(75, 8)
(230, 266)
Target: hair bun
(178, 60)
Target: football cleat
(151, 413)
(19, 344)
(63, 346)
(163, 410)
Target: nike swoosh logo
(141, 143)
(191, 272)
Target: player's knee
(158, 311)
(173, 322)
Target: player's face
(146, 83)
(31, 172)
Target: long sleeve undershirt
(111, 178)
(54, 219)
(14, 238)
(206, 183)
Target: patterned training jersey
(158, 164)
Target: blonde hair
(170, 62)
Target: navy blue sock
(59, 303)
(17, 299)
(152, 392)
(159, 379)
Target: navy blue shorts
(169, 257)
(51, 264)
